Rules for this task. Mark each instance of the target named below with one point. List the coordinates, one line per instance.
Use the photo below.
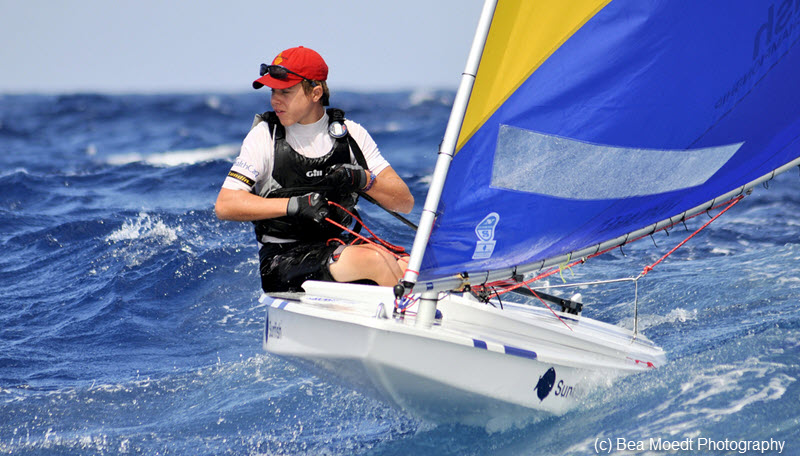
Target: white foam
(713, 393)
(393, 127)
(677, 315)
(144, 227)
(421, 96)
(14, 171)
(788, 280)
(213, 102)
(142, 238)
(177, 157)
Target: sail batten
(626, 118)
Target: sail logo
(780, 26)
(485, 232)
(773, 38)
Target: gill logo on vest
(314, 173)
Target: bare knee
(365, 262)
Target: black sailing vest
(294, 174)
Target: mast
(446, 153)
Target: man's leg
(365, 261)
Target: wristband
(371, 182)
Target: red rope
(551, 310)
(395, 250)
(583, 260)
(650, 268)
(522, 284)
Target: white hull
(474, 364)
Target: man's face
(293, 105)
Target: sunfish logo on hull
(485, 232)
(545, 384)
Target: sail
(591, 120)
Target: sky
(150, 46)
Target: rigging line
(405, 303)
(372, 200)
(666, 228)
(559, 268)
(385, 243)
(551, 309)
(388, 247)
(534, 279)
(710, 208)
(499, 300)
(394, 214)
(647, 269)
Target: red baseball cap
(305, 62)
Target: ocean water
(129, 321)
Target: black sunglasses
(281, 73)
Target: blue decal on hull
(520, 352)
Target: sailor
(295, 160)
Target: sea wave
(177, 157)
(713, 392)
(131, 324)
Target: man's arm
(390, 190)
(243, 206)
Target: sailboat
(577, 128)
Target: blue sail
(633, 113)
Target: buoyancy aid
(294, 174)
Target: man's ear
(316, 93)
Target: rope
(541, 276)
(550, 308)
(402, 305)
(390, 248)
(647, 269)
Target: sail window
(532, 162)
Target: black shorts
(284, 267)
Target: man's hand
(345, 177)
(311, 206)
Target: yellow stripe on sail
(523, 34)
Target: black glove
(345, 177)
(311, 206)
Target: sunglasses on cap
(281, 73)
